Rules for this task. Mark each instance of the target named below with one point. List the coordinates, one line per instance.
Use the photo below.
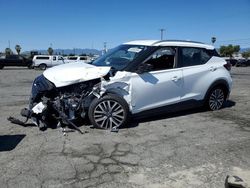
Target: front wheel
(216, 99)
(110, 111)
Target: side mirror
(144, 68)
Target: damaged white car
(138, 77)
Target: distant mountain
(76, 51)
(244, 49)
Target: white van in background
(44, 61)
(83, 59)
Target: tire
(1, 67)
(42, 66)
(216, 98)
(110, 111)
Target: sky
(38, 24)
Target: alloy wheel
(109, 114)
(216, 99)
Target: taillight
(228, 66)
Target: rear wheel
(216, 98)
(108, 112)
(43, 66)
(1, 67)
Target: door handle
(175, 78)
(212, 68)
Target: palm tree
(213, 40)
(8, 51)
(50, 51)
(18, 49)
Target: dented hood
(72, 73)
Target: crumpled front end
(120, 84)
(40, 87)
(52, 106)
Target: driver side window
(162, 59)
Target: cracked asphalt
(193, 149)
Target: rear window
(42, 57)
(213, 53)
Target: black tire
(108, 112)
(1, 67)
(42, 66)
(216, 98)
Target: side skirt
(170, 108)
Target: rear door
(196, 72)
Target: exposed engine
(51, 106)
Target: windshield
(120, 57)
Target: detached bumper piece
(38, 121)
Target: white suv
(44, 61)
(138, 77)
(83, 59)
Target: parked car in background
(14, 61)
(70, 59)
(233, 62)
(44, 61)
(243, 63)
(83, 59)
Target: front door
(159, 87)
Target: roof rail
(178, 41)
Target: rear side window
(72, 58)
(42, 57)
(83, 58)
(194, 56)
(13, 57)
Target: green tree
(18, 49)
(8, 51)
(50, 51)
(228, 51)
(246, 54)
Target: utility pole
(105, 48)
(9, 43)
(162, 32)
